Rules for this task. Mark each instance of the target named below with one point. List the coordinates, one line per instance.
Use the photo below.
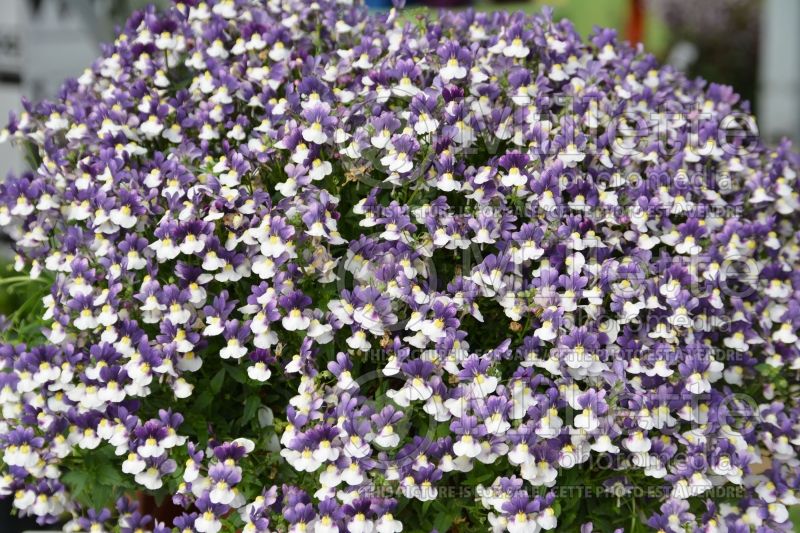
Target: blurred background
(753, 45)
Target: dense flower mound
(298, 267)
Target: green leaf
(425, 506)
(76, 481)
(444, 520)
(250, 408)
(217, 381)
(557, 507)
(108, 474)
(203, 400)
(200, 427)
(442, 430)
(32, 155)
(237, 373)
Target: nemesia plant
(292, 266)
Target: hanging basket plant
(296, 266)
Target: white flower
(425, 124)
(388, 524)
(77, 132)
(165, 249)
(785, 334)
(522, 523)
(207, 522)
(467, 446)
(398, 162)
(259, 372)
(587, 420)
(603, 444)
(301, 461)
(150, 478)
(182, 389)
(279, 52)
(637, 442)
(86, 320)
(192, 245)
(315, 134)
(295, 321)
(358, 341)
(221, 493)
(233, 350)
(151, 127)
(22, 456)
(514, 178)
(547, 519)
(352, 475)
(360, 524)
(319, 169)
(557, 73)
(452, 71)
(516, 49)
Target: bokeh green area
(21, 303)
(586, 14)
(12, 297)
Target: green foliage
(94, 477)
(21, 304)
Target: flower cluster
(306, 268)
